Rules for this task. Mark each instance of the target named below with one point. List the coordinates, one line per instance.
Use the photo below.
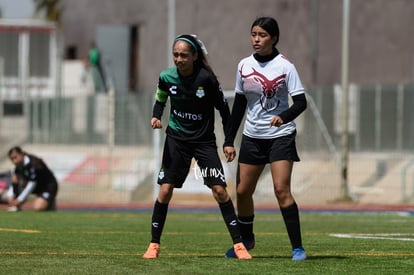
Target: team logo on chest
(200, 92)
(271, 89)
(173, 90)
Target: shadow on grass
(309, 258)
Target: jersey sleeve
(237, 113)
(294, 84)
(297, 93)
(161, 94)
(239, 80)
(30, 186)
(221, 104)
(161, 97)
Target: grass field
(109, 242)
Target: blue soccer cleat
(248, 244)
(298, 254)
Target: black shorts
(49, 194)
(176, 162)
(263, 151)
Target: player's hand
(156, 123)
(13, 202)
(230, 153)
(276, 121)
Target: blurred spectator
(31, 175)
(96, 69)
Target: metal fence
(380, 120)
(104, 151)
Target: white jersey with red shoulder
(267, 87)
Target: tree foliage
(50, 9)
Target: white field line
(391, 236)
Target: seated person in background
(7, 189)
(31, 175)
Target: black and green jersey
(192, 100)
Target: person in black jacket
(31, 175)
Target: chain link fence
(104, 151)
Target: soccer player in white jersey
(264, 82)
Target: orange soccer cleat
(152, 251)
(241, 252)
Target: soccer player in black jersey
(194, 94)
(33, 176)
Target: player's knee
(244, 193)
(165, 193)
(283, 196)
(220, 193)
(40, 204)
(281, 193)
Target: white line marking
(390, 236)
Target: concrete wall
(381, 40)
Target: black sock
(230, 218)
(16, 189)
(246, 227)
(291, 217)
(159, 216)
